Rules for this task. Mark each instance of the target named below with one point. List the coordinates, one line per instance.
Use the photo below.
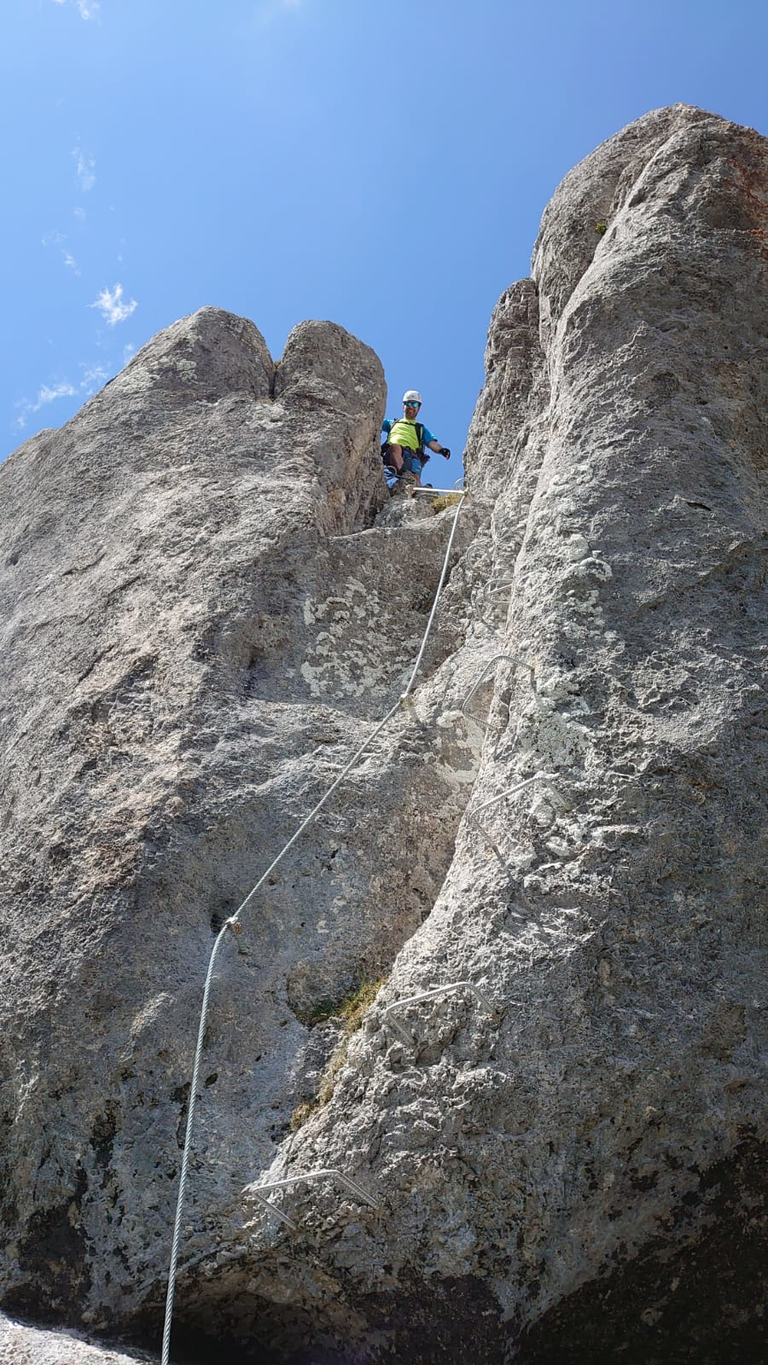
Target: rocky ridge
(205, 610)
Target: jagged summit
(204, 616)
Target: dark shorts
(413, 461)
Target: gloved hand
(446, 452)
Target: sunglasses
(411, 405)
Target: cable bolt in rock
(513, 791)
(451, 988)
(497, 658)
(491, 587)
(259, 1192)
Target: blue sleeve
(428, 436)
(387, 424)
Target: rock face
(22, 1345)
(204, 617)
(198, 631)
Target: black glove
(446, 452)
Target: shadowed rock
(24, 1345)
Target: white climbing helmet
(412, 396)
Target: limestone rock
(204, 616)
(201, 623)
(23, 1345)
(587, 1153)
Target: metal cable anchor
(258, 1192)
(450, 988)
(497, 658)
(512, 791)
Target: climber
(404, 452)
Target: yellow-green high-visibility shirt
(403, 433)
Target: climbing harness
(234, 926)
(418, 457)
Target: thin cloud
(87, 9)
(56, 238)
(85, 167)
(79, 213)
(128, 351)
(111, 306)
(270, 11)
(49, 393)
(94, 378)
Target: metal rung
(493, 586)
(457, 488)
(511, 658)
(450, 989)
(258, 1192)
(513, 791)
(491, 626)
(445, 491)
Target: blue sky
(383, 163)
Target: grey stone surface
(200, 624)
(24, 1345)
(610, 1108)
(204, 614)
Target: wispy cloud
(128, 351)
(87, 9)
(85, 167)
(56, 238)
(79, 213)
(94, 377)
(270, 11)
(111, 306)
(48, 393)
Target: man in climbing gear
(405, 450)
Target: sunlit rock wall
(204, 613)
(582, 1162)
